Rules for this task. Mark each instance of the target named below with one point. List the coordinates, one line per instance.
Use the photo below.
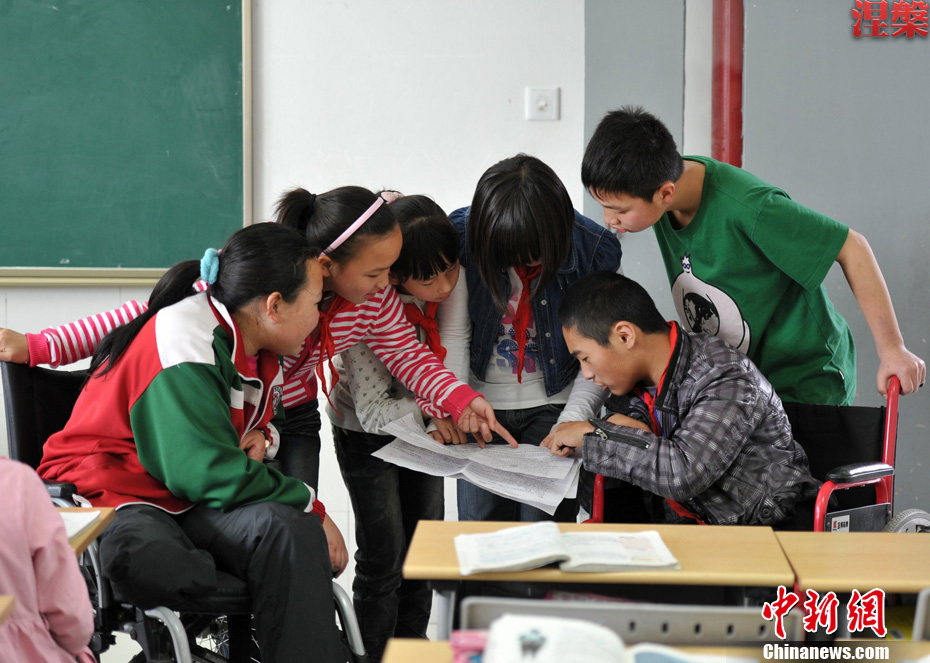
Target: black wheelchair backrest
(37, 402)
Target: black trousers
(388, 501)
(155, 558)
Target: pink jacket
(53, 620)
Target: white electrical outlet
(542, 103)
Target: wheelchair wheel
(211, 645)
(909, 520)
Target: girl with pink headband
(361, 306)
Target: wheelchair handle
(891, 433)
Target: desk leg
(446, 607)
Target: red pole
(727, 86)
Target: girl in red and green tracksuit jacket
(165, 431)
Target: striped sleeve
(393, 339)
(58, 346)
(299, 378)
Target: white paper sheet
(404, 454)
(525, 459)
(519, 486)
(527, 474)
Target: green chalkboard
(120, 131)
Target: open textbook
(531, 546)
(528, 473)
(525, 638)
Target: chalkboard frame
(147, 277)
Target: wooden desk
(7, 603)
(83, 539)
(709, 555)
(858, 560)
(401, 650)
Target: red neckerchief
(650, 402)
(327, 345)
(427, 322)
(521, 317)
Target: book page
(510, 549)
(77, 521)
(608, 551)
(516, 638)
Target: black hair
(597, 301)
(256, 261)
(631, 152)
(324, 217)
(520, 213)
(431, 243)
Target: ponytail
(295, 209)
(323, 218)
(176, 284)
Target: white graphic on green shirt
(705, 308)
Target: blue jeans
(528, 426)
(299, 452)
(388, 501)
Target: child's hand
(254, 444)
(566, 436)
(629, 422)
(447, 432)
(13, 347)
(338, 555)
(479, 420)
(910, 369)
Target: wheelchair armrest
(60, 490)
(856, 472)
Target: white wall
(419, 96)
(699, 32)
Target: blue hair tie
(209, 266)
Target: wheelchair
(209, 629)
(848, 447)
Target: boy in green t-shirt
(747, 263)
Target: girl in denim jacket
(521, 244)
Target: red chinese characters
(820, 612)
(864, 611)
(778, 608)
(867, 611)
(911, 19)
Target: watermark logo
(863, 611)
(840, 524)
(873, 19)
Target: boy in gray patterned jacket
(696, 426)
